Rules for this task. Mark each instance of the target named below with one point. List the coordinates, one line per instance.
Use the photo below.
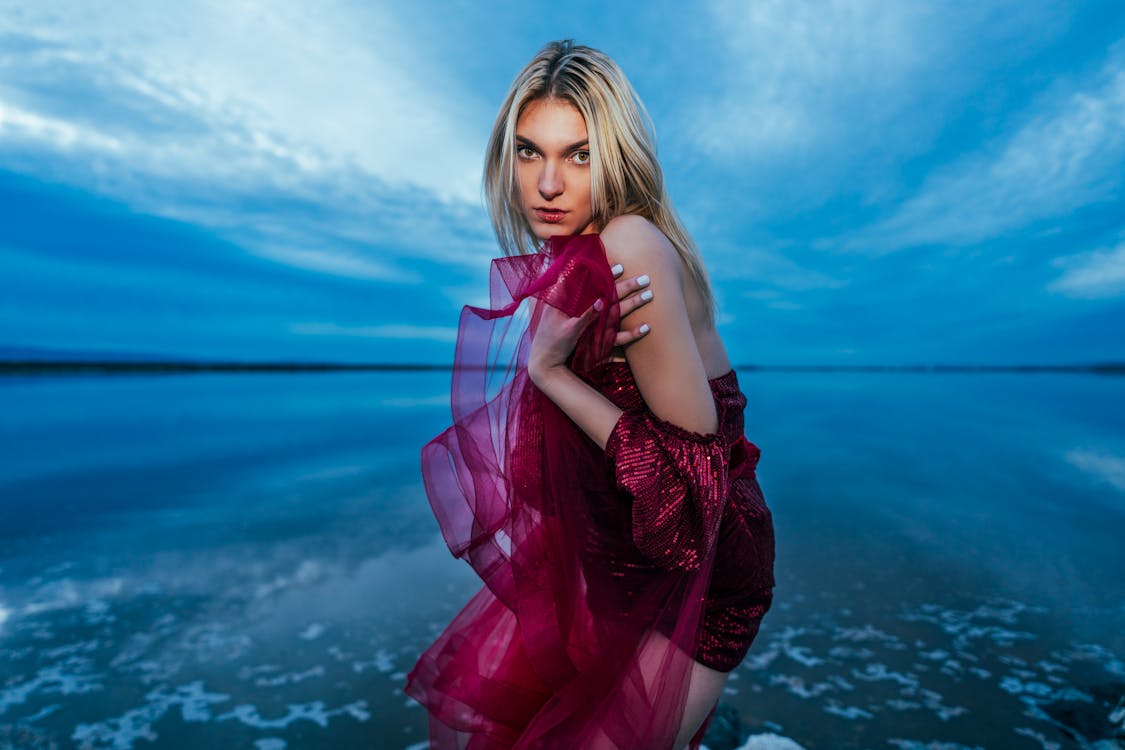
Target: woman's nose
(550, 182)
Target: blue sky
(869, 182)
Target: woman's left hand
(555, 338)
(558, 333)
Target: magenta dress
(607, 573)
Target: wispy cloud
(765, 273)
(320, 168)
(771, 264)
(324, 138)
(788, 65)
(19, 127)
(332, 261)
(1092, 275)
(389, 331)
(242, 91)
(1068, 154)
(829, 81)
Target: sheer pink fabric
(595, 578)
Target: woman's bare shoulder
(665, 362)
(631, 239)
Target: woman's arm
(670, 457)
(665, 363)
(590, 410)
(555, 339)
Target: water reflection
(249, 560)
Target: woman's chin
(546, 231)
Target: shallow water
(250, 561)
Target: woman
(600, 484)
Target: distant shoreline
(47, 367)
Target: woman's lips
(550, 216)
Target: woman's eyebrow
(527, 141)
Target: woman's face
(553, 164)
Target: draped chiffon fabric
(606, 573)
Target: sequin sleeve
(678, 480)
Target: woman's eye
(581, 157)
(525, 152)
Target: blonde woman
(598, 479)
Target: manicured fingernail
(617, 268)
(646, 295)
(598, 305)
(642, 280)
(644, 327)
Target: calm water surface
(249, 561)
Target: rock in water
(1094, 715)
(725, 731)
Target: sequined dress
(601, 568)
(656, 463)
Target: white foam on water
(123, 731)
(380, 662)
(41, 713)
(291, 678)
(847, 712)
(55, 679)
(312, 632)
(66, 593)
(1039, 737)
(876, 671)
(314, 711)
(769, 741)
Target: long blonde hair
(625, 177)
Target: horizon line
(38, 366)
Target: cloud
(788, 64)
(388, 231)
(326, 138)
(773, 265)
(1092, 275)
(329, 261)
(387, 331)
(837, 79)
(243, 91)
(20, 127)
(1068, 154)
(771, 298)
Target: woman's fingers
(587, 317)
(632, 302)
(630, 335)
(632, 293)
(633, 284)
